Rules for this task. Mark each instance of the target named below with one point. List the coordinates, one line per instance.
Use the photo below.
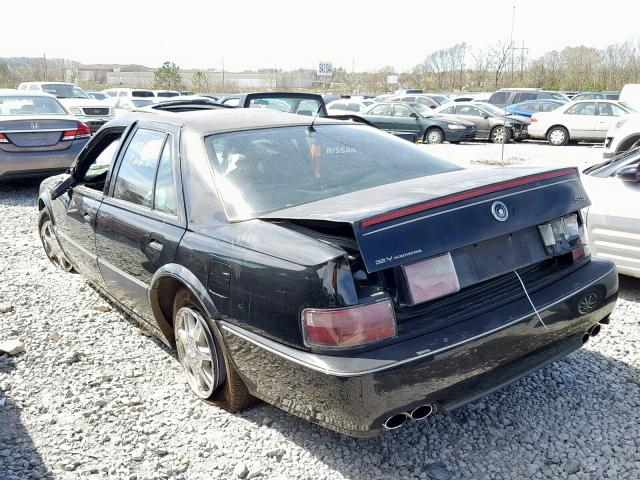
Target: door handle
(155, 245)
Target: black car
(328, 268)
(416, 122)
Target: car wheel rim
(433, 137)
(557, 137)
(498, 135)
(196, 352)
(51, 247)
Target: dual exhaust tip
(418, 413)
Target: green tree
(167, 76)
(200, 82)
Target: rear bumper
(36, 164)
(354, 395)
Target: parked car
(89, 111)
(613, 219)
(168, 93)
(421, 99)
(341, 107)
(491, 122)
(38, 135)
(529, 107)
(115, 94)
(470, 97)
(508, 96)
(576, 121)
(126, 104)
(624, 135)
(308, 104)
(596, 96)
(339, 273)
(96, 95)
(416, 122)
(404, 91)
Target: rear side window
(137, 171)
(384, 109)
(164, 198)
(584, 108)
(448, 111)
(499, 98)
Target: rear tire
(434, 136)
(500, 134)
(558, 136)
(213, 379)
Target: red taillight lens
(431, 278)
(534, 119)
(83, 131)
(348, 327)
(3, 138)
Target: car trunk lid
(407, 221)
(36, 133)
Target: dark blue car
(529, 107)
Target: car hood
(515, 118)
(83, 102)
(426, 216)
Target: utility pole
(513, 17)
(522, 50)
(44, 60)
(223, 73)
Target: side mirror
(485, 116)
(414, 115)
(630, 173)
(62, 187)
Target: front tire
(434, 136)
(50, 243)
(205, 362)
(500, 134)
(558, 136)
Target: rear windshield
(142, 93)
(265, 170)
(168, 94)
(64, 91)
(138, 102)
(30, 106)
(301, 106)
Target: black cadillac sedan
(331, 269)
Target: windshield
(142, 93)
(30, 106)
(168, 94)
(492, 109)
(62, 90)
(139, 102)
(265, 170)
(301, 106)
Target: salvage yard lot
(94, 397)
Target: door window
(138, 167)
(469, 110)
(401, 111)
(584, 108)
(549, 107)
(499, 98)
(448, 111)
(609, 110)
(384, 109)
(164, 197)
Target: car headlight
(76, 111)
(452, 126)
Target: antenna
(311, 129)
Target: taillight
(3, 138)
(564, 235)
(534, 119)
(350, 326)
(431, 278)
(83, 131)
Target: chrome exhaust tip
(421, 412)
(595, 330)
(395, 421)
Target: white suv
(89, 111)
(623, 136)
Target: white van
(630, 93)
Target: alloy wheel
(196, 351)
(51, 247)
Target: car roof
(24, 93)
(48, 83)
(207, 122)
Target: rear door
(141, 220)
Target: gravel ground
(94, 397)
